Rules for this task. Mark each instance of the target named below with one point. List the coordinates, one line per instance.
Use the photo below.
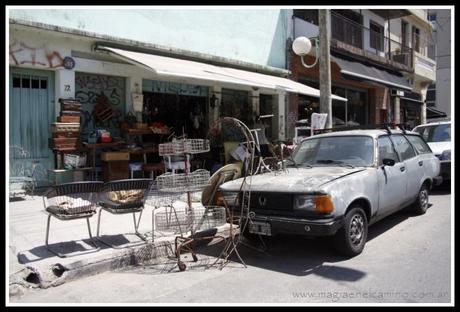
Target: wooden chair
(123, 197)
(71, 201)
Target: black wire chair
(122, 197)
(70, 201)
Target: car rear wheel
(351, 238)
(420, 205)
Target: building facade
(380, 62)
(439, 94)
(54, 54)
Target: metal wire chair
(122, 197)
(71, 201)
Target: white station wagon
(339, 183)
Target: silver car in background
(339, 183)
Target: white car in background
(437, 135)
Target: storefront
(184, 96)
(411, 109)
(367, 89)
(353, 112)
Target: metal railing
(356, 35)
(424, 46)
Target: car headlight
(445, 155)
(321, 204)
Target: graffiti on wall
(89, 87)
(23, 54)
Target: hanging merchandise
(103, 111)
(138, 100)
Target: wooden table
(143, 152)
(94, 146)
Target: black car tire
(421, 203)
(351, 238)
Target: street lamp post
(302, 46)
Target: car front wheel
(351, 238)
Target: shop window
(339, 108)
(35, 84)
(235, 103)
(307, 106)
(431, 95)
(354, 112)
(16, 82)
(185, 114)
(43, 84)
(356, 108)
(266, 108)
(25, 83)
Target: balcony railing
(425, 46)
(356, 35)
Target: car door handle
(402, 168)
(420, 163)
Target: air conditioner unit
(395, 92)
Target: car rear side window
(402, 147)
(420, 146)
(386, 150)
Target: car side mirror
(388, 162)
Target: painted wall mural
(42, 56)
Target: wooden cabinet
(115, 170)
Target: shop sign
(174, 88)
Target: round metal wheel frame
(356, 229)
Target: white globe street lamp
(302, 46)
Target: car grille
(271, 201)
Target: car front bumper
(305, 227)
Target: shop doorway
(31, 110)
(183, 113)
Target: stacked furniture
(65, 141)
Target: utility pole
(325, 105)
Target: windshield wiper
(336, 162)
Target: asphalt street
(407, 259)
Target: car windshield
(335, 151)
(435, 133)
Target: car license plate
(262, 228)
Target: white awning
(173, 67)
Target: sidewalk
(32, 265)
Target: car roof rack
(383, 126)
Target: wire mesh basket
(180, 182)
(209, 217)
(157, 198)
(196, 146)
(184, 146)
(180, 221)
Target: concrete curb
(50, 275)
